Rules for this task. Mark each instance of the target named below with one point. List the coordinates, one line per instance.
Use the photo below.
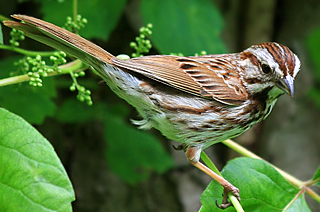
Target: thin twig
(76, 65)
(26, 52)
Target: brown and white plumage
(197, 101)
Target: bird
(195, 100)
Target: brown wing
(208, 76)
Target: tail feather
(60, 39)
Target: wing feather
(207, 76)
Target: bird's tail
(60, 39)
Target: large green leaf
(184, 26)
(132, 153)
(32, 177)
(262, 188)
(102, 15)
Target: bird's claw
(225, 201)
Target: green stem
(236, 204)
(74, 66)
(75, 81)
(294, 181)
(4, 18)
(26, 52)
(75, 10)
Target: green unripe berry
(81, 98)
(62, 54)
(63, 61)
(133, 45)
(72, 87)
(82, 73)
(84, 20)
(49, 70)
(82, 89)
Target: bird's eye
(265, 68)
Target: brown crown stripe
(282, 61)
(291, 60)
(286, 60)
(275, 52)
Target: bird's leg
(193, 154)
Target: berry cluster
(16, 36)
(75, 25)
(83, 93)
(142, 45)
(36, 67)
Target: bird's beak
(286, 84)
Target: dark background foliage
(115, 167)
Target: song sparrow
(197, 101)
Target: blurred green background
(114, 166)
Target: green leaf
(74, 111)
(317, 177)
(262, 188)
(184, 26)
(1, 36)
(131, 153)
(32, 177)
(314, 94)
(102, 15)
(313, 46)
(299, 205)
